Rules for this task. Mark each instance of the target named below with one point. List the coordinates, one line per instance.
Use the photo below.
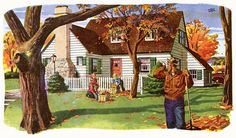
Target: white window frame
(142, 65)
(79, 61)
(116, 37)
(193, 74)
(151, 36)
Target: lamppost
(54, 57)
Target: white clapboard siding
(127, 65)
(77, 50)
(194, 64)
(49, 51)
(178, 51)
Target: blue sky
(191, 12)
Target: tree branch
(32, 19)
(52, 23)
(223, 20)
(16, 27)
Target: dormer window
(116, 37)
(151, 36)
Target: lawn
(74, 110)
(11, 84)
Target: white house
(81, 52)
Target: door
(116, 66)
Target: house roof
(93, 28)
(200, 59)
(90, 40)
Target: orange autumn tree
(9, 51)
(200, 41)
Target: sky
(191, 12)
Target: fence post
(141, 85)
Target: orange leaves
(9, 50)
(212, 123)
(200, 41)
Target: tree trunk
(134, 86)
(227, 98)
(36, 113)
(226, 24)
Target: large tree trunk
(134, 87)
(226, 24)
(36, 113)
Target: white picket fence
(81, 84)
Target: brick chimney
(63, 63)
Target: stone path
(11, 96)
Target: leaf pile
(212, 123)
(123, 93)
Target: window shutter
(199, 74)
(153, 62)
(84, 61)
(90, 65)
(99, 66)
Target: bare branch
(16, 27)
(32, 19)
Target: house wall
(127, 66)
(178, 51)
(49, 51)
(77, 50)
(193, 64)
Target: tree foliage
(56, 83)
(200, 40)
(152, 84)
(9, 51)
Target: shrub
(153, 85)
(9, 75)
(56, 83)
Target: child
(93, 87)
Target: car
(218, 77)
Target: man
(174, 89)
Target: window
(46, 61)
(196, 74)
(151, 35)
(80, 61)
(144, 64)
(116, 36)
(182, 37)
(95, 65)
(193, 73)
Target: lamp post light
(54, 57)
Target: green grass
(11, 84)
(74, 110)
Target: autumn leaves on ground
(74, 110)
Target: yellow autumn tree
(9, 51)
(200, 40)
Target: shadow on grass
(67, 114)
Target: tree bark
(226, 24)
(30, 39)
(134, 87)
(36, 112)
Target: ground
(74, 110)
(11, 84)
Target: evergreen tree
(153, 85)
(56, 83)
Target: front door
(116, 66)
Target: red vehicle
(218, 77)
